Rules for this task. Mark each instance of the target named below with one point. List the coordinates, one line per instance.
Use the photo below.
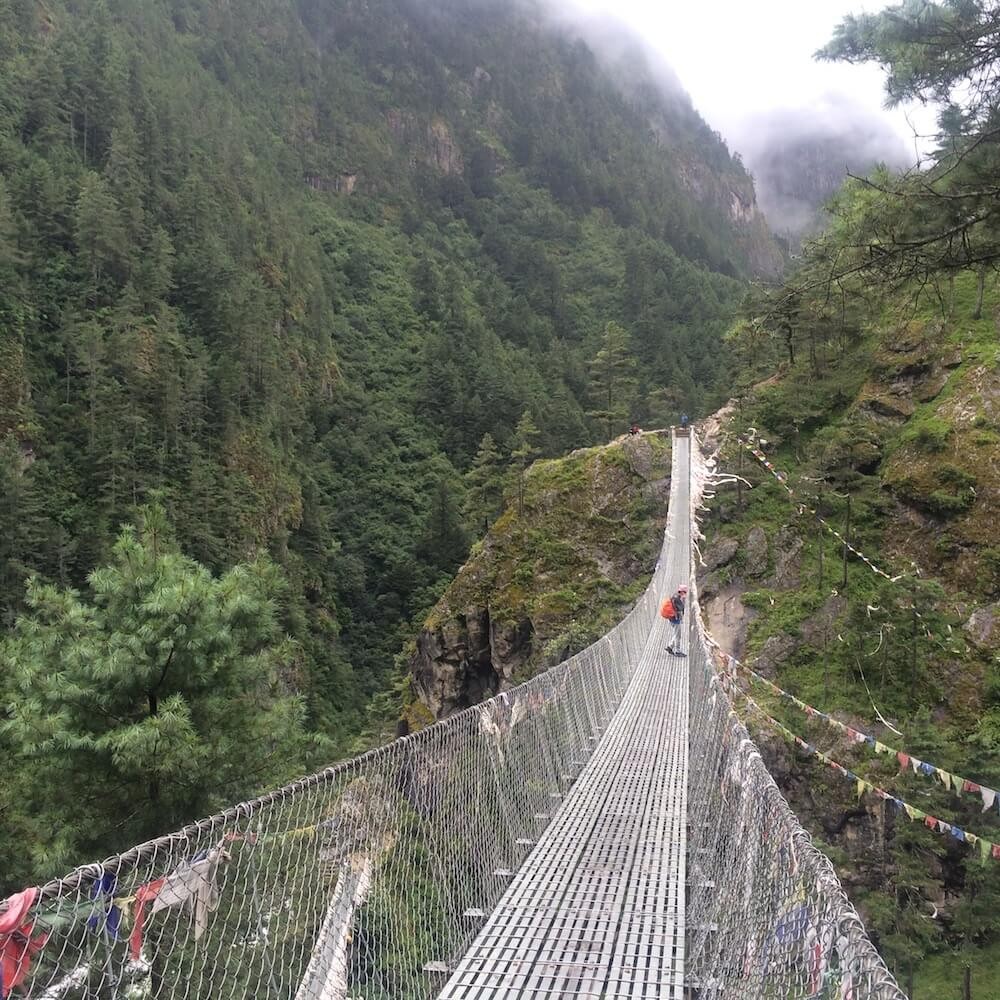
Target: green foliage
(909, 229)
(947, 491)
(444, 543)
(930, 434)
(484, 485)
(282, 267)
(875, 362)
(158, 698)
(523, 452)
(613, 380)
(893, 425)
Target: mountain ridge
(277, 271)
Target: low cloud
(800, 156)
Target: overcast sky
(738, 58)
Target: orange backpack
(667, 609)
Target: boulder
(720, 553)
(819, 628)
(983, 627)
(787, 560)
(727, 616)
(466, 659)
(755, 553)
(510, 647)
(775, 651)
(896, 408)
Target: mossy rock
(581, 550)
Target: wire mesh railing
(371, 878)
(767, 917)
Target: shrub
(931, 434)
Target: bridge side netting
(366, 880)
(767, 918)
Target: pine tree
(484, 481)
(125, 176)
(22, 524)
(151, 702)
(523, 452)
(100, 233)
(612, 378)
(444, 543)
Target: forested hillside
(270, 273)
(871, 386)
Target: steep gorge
(276, 270)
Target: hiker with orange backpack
(673, 610)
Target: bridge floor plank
(597, 908)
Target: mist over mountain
(800, 157)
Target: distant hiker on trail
(684, 421)
(634, 428)
(673, 610)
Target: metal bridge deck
(597, 908)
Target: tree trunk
(153, 788)
(980, 289)
(847, 538)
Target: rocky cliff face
(546, 582)
(431, 143)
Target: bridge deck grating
(597, 908)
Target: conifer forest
(307, 309)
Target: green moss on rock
(545, 583)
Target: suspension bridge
(607, 829)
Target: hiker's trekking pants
(675, 632)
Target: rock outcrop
(431, 143)
(467, 659)
(543, 584)
(983, 627)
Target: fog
(749, 68)
(799, 157)
(740, 59)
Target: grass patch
(940, 976)
(927, 432)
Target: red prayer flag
(17, 946)
(143, 895)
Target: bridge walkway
(597, 908)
